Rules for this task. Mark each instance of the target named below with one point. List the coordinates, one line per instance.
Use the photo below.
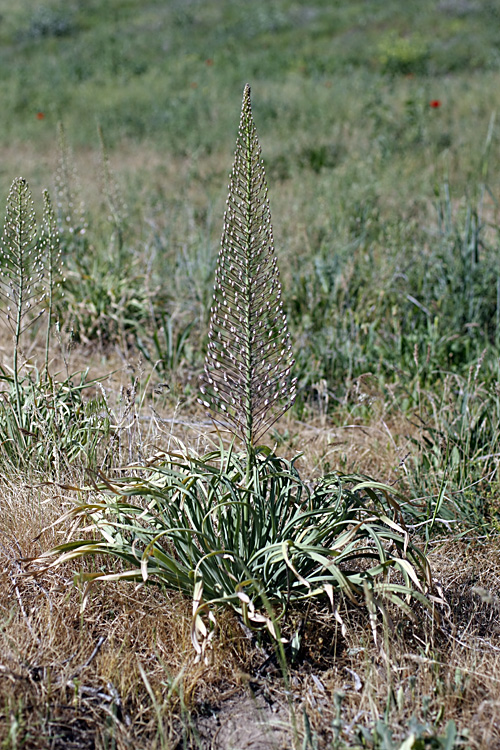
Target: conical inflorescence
(21, 273)
(21, 262)
(248, 383)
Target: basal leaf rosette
(195, 525)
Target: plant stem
(18, 241)
(248, 322)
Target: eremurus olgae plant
(245, 530)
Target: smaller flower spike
(22, 290)
(247, 383)
(21, 262)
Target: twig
(92, 656)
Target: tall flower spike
(22, 289)
(53, 267)
(21, 262)
(247, 382)
(70, 208)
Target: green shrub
(403, 54)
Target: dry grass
(71, 677)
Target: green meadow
(375, 494)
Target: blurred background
(333, 81)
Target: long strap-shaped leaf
(249, 359)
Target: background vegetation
(377, 121)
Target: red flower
(435, 103)
(209, 61)
(40, 116)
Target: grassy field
(379, 133)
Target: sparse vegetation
(365, 611)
